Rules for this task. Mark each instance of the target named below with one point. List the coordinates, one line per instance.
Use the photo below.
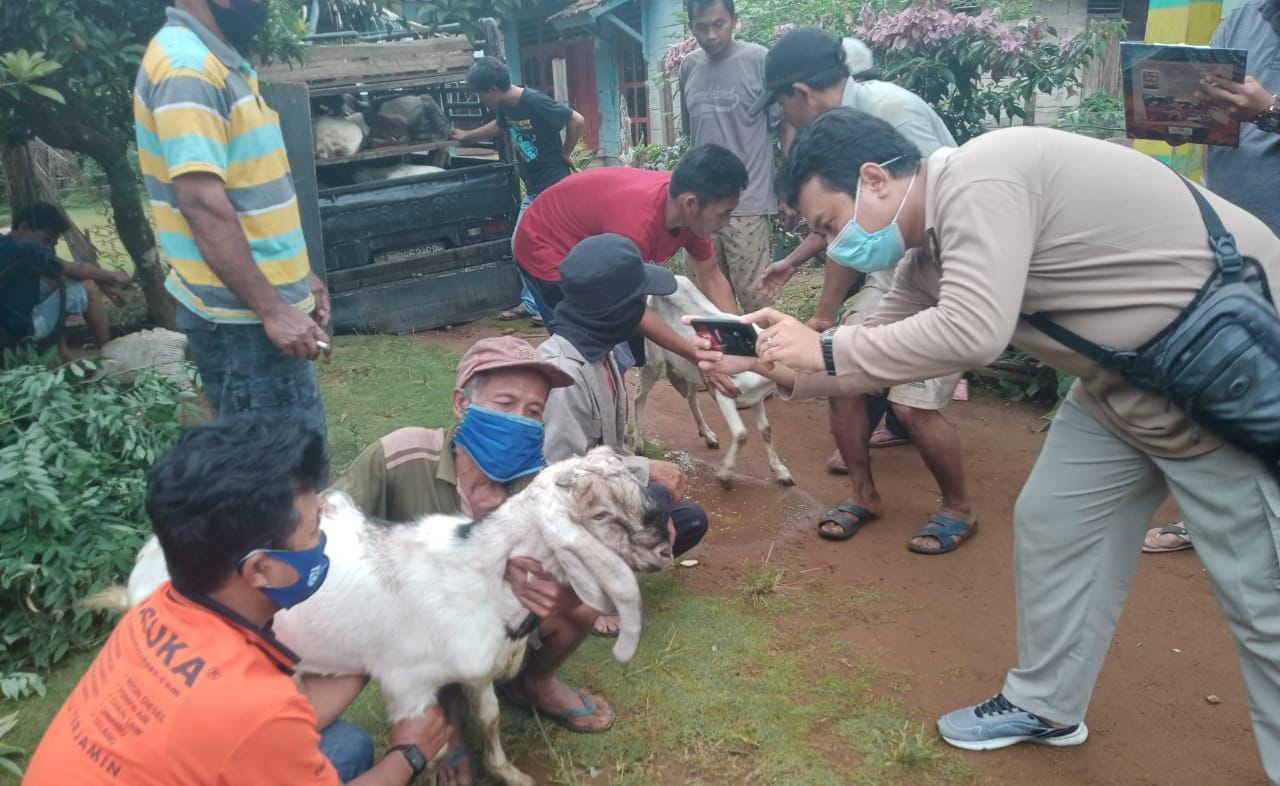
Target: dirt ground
(1150, 720)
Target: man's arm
(572, 134)
(836, 282)
(714, 285)
(777, 274)
(659, 332)
(487, 131)
(203, 201)
(83, 271)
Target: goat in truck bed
(425, 604)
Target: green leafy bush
(74, 455)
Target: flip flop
(885, 438)
(610, 634)
(561, 718)
(1177, 530)
(848, 517)
(950, 532)
(512, 314)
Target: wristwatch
(1269, 120)
(828, 350)
(412, 755)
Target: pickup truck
(410, 253)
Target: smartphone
(728, 335)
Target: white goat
(336, 137)
(425, 604)
(686, 379)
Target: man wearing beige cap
(495, 451)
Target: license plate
(411, 252)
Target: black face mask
(241, 22)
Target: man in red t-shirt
(661, 212)
(191, 688)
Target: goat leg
(766, 433)
(484, 709)
(738, 432)
(649, 374)
(690, 392)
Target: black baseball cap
(608, 269)
(800, 54)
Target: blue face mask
(504, 446)
(311, 564)
(856, 248)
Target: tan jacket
(1103, 239)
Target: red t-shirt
(184, 693)
(626, 201)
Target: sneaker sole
(1076, 737)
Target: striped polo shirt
(197, 108)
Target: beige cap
(493, 354)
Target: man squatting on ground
(1110, 244)
(501, 399)
(605, 285)
(192, 687)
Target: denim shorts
(242, 372)
(48, 312)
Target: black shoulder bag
(1219, 360)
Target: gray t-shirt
(904, 110)
(1248, 175)
(910, 116)
(716, 101)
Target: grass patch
(373, 385)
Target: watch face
(1268, 121)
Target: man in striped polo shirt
(226, 213)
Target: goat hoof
(786, 480)
(726, 479)
(712, 443)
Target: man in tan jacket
(1109, 243)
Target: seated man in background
(30, 304)
(605, 285)
(495, 451)
(192, 680)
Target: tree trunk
(30, 182)
(88, 136)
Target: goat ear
(600, 578)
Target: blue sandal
(949, 531)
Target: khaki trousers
(743, 250)
(1078, 530)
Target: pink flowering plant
(973, 68)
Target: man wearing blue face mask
(1053, 242)
(496, 449)
(192, 687)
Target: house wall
(663, 26)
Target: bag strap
(1225, 254)
(1222, 242)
